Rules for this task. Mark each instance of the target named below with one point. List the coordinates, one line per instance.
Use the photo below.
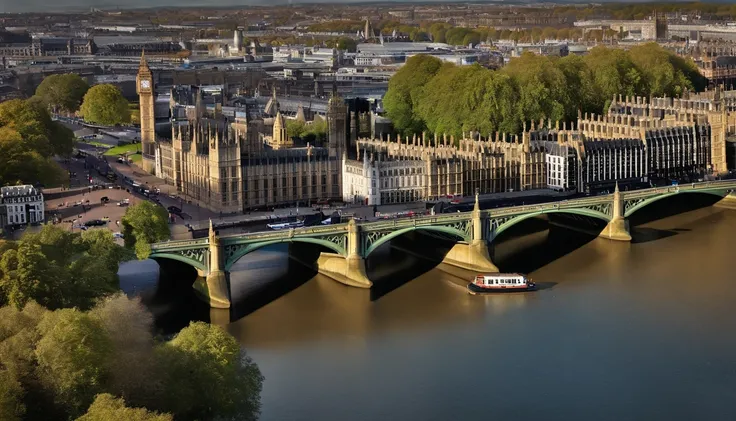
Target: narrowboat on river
(490, 283)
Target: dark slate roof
(18, 191)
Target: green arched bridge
(352, 242)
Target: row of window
(22, 199)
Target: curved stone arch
(248, 248)
(191, 262)
(583, 212)
(394, 234)
(650, 200)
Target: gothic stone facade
(219, 158)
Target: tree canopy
(209, 374)
(60, 364)
(60, 269)
(405, 89)
(104, 104)
(107, 408)
(313, 133)
(28, 141)
(63, 92)
(443, 98)
(143, 225)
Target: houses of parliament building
(233, 158)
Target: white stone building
(23, 205)
(360, 183)
(383, 182)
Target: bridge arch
(248, 248)
(648, 201)
(513, 221)
(181, 258)
(388, 237)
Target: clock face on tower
(145, 84)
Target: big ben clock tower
(144, 86)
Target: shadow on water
(671, 206)
(252, 288)
(405, 258)
(173, 302)
(536, 242)
(666, 208)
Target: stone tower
(337, 121)
(144, 87)
(337, 140)
(280, 138)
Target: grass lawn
(132, 148)
(135, 158)
(98, 144)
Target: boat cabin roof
(501, 275)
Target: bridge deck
(394, 224)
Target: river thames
(618, 331)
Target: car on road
(174, 210)
(81, 227)
(104, 199)
(95, 223)
(117, 235)
(124, 202)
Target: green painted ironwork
(195, 257)
(631, 206)
(233, 252)
(503, 223)
(373, 240)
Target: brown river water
(618, 331)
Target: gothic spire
(144, 63)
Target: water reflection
(623, 330)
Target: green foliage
(107, 408)
(104, 104)
(59, 269)
(63, 92)
(209, 374)
(313, 132)
(11, 397)
(72, 355)
(53, 364)
(130, 326)
(543, 91)
(28, 140)
(452, 100)
(350, 26)
(405, 89)
(347, 44)
(144, 224)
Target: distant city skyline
(35, 6)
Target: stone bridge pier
(618, 227)
(212, 283)
(473, 255)
(350, 269)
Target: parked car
(117, 235)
